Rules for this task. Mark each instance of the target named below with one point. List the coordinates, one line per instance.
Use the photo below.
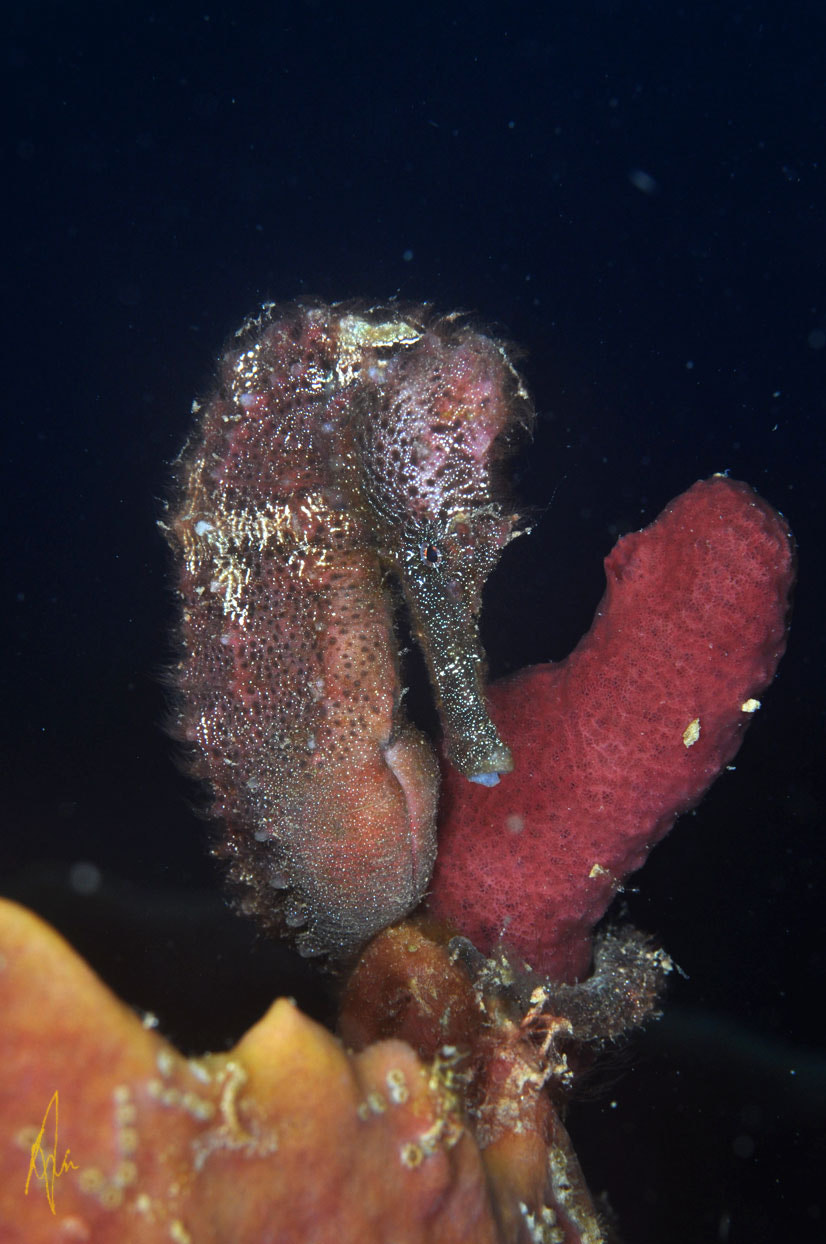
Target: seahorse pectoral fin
(448, 635)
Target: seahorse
(341, 449)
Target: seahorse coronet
(341, 446)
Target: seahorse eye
(429, 553)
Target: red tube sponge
(611, 745)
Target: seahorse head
(436, 416)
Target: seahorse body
(338, 446)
